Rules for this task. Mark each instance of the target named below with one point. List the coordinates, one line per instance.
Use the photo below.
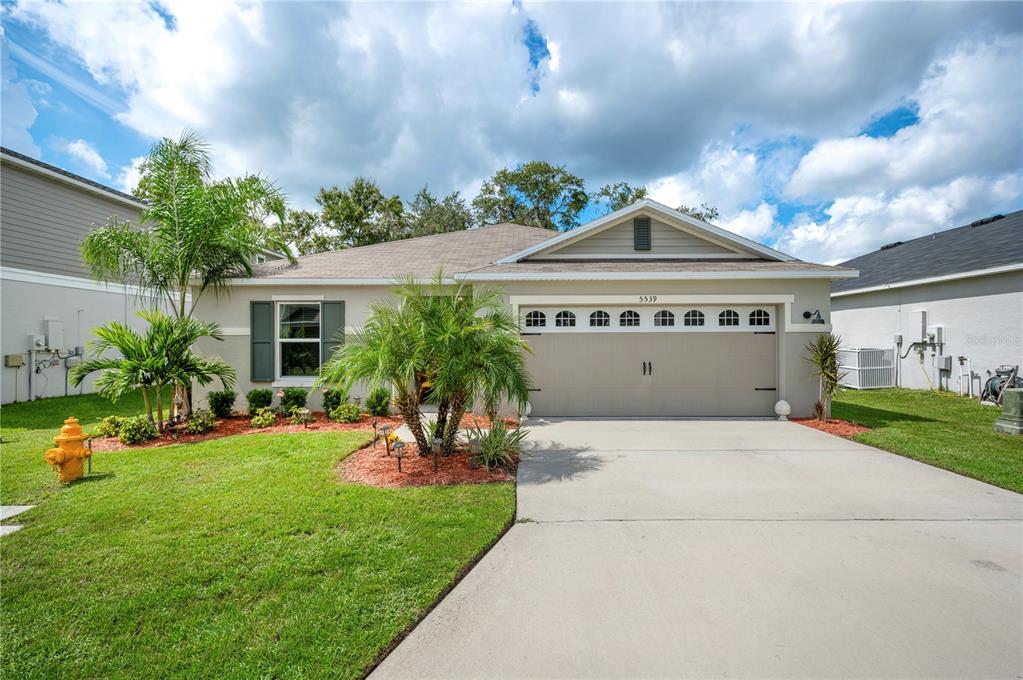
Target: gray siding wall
(665, 240)
(983, 320)
(43, 221)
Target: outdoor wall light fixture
(815, 316)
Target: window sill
(306, 381)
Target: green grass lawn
(237, 557)
(938, 428)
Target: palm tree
(465, 343)
(822, 354)
(152, 360)
(195, 232)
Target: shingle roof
(981, 245)
(70, 175)
(456, 251)
(617, 266)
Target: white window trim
(293, 380)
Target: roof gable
(696, 239)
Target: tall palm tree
(150, 361)
(195, 232)
(822, 355)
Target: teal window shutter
(261, 333)
(641, 233)
(332, 328)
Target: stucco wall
(232, 313)
(982, 316)
(24, 306)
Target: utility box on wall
(54, 332)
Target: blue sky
(823, 130)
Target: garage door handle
(651, 369)
(644, 368)
(765, 389)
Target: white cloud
(86, 154)
(128, 178)
(757, 224)
(18, 112)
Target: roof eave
(1003, 269)
(655, 276)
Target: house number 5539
(648, 298)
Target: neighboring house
(48, 300)
(644, 312)
(957, 294)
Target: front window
(628, 318)
(564, 319)
(299, 337)
(535, 320)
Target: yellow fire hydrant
(68, 458)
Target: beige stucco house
(643, 312)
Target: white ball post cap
(783, 409)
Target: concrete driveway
(674, 548)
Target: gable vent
(889, 246)
(641, 233)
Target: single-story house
(643, 312)
(954, 299)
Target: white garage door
(653, 365)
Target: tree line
(535, 193)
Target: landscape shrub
(346, 413)
(498, 445)
(264, 417)
(137, 430)
(109, 427)
(201, 422)
(333, 398)
(378, 403)
(301, 416)
(294, 397)
(222, 402)
(259, 398)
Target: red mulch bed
(371, 466)
(839, 428)
(483, 422)
(240, 425)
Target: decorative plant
(109, 427)
(222, 402)
(264, 417)
(498, 445)
(152, 360)
(199, 233)
(378, 403)
(464, 341)
(259, 398)
(334, 397)
(201, 422)
(346, 413)
(136, 430)
(293, 397)
(822, 355)
(301, 416)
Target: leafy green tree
(705, 212)
(304, 232)
(426, 214)
(618, 195)
(534, 193)
(361, 215)
(152, 360)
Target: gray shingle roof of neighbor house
(983, 244)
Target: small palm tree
(822, 354)
(150, 361)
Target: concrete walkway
(8, 511)
(670, 548)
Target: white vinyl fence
(867, 368)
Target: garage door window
(536, 320)
(600, 319)
(628, 318)
(729, 317)
(564, 319)
(759, 317)
(693, 317)
(664, 318)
